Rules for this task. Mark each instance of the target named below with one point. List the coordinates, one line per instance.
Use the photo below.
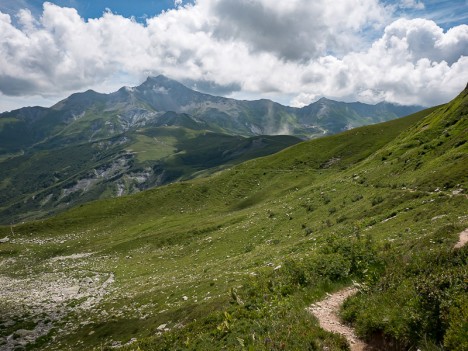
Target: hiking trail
(326, 312)
(462, 240)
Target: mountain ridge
(135, 106)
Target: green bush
(377, 200)
(356, 198)
(456, 336)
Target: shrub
(456, 337)
(341, 219)
(377, 200)
(248, 248)
(356, 198)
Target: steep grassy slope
(232, 260)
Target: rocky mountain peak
(161, 81)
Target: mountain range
(91, 116)
(93, 145)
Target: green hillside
(231, 261)
(47, 181)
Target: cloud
(211, 87)
(412, 4)
(295, 30)
(424, 39)
(299, 49)
(13, 6)
(414, 62)
(447, 13)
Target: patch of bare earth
(41, 302)
(326, 312)
(462, 240)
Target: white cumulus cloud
(296, 50)
(414, 62)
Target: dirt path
(326, 312)
(463, 239)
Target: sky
(409, 52)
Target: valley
(91, 146)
